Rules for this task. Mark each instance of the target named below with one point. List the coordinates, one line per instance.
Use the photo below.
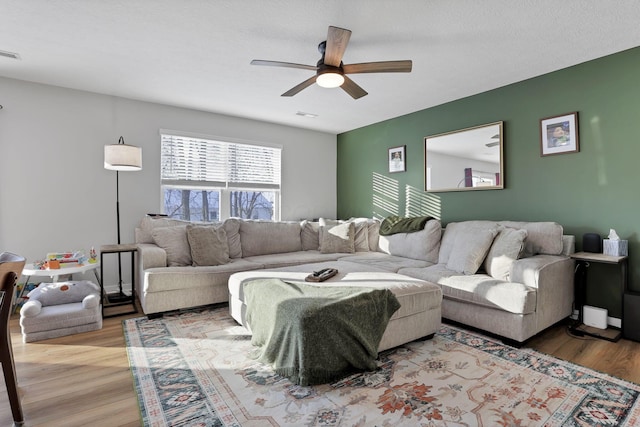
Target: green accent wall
(590, 191)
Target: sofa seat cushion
(292, 258)
(480, 289)
(163, 279)
(414, 295)
(385, 261)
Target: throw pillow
(310, 235)
(506, 248)
(361, 238)
(63, 292)
(469, 250)
(454, 229)
(232, 228)
(208, 245)
(174, 241)
(374, 234)
(338, 238)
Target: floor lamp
(121, 157)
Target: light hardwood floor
(84, 379)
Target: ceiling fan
(331, 72)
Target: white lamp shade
(122, 157)
(330, 80)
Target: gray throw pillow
(338, 238)
(361, 237)
(469, 250)
(310, 235)
(174, 241)
(232, 228)
(507, 247)
(208, 245)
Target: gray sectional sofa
(513, 279)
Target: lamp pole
(121, 157)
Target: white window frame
(224, 187)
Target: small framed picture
(397, 159)
(559, 135)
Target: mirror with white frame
(465, 160)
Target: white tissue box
(615, 247)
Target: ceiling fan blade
(305, 84)
(283, 64)
(337, 40)
(379, 67)
(352, 88)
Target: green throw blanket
(396, 224)
(313, 334)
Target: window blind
(196, 161)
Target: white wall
(448, 171)
(55, 194)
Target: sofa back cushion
(454, 229)
(422, 245)
(148, 224)
(507, 247)
(269, 237)
(542, 237)
(208, 245)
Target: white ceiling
(196, 53)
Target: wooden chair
(11, 266)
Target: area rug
(192, 369)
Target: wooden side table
(583, 259)
(121, 298)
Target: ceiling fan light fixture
(330, 80)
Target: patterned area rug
(192, 369)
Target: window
(210, 180)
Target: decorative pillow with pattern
(337, 238)
(208, 245)
(469, 250)
(507, 247)
(174, 241)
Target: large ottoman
(420, 301)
